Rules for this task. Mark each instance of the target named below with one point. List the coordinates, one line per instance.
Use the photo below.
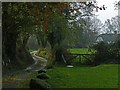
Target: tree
(116, 23)
(85, 31)
(20, 20)
(58, 28)
(112, 25)
(15, 32)
(108, 28)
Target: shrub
(105, 52)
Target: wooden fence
(83, 56)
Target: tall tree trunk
(9, 46)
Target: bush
(105, 52)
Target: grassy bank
(102, 76)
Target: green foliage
(106, 53)
(73, 36)
(41, 37)
(57, 31)
(44, 52)
(15, 34)
(58, 28)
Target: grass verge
(102, 76)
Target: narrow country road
(19, 76)
(36, 59)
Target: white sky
(109, 12)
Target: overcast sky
(109, 12)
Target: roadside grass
(25, 82)
(102, 76)
(80, 51)
(20, 80)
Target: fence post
(79, 58)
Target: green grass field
(102, 76)
(79, 51)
